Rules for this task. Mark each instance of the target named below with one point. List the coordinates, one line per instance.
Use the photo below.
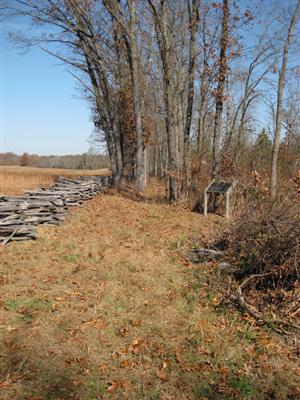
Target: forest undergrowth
(261, 249)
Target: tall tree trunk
(193, 25)
(220, 92)
(118, 150)
(162, 28)
(281, 79)
(201, 118)
(123, 110)
(110, 131)
(200, 126)
(136, 91)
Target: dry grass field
(14, 179)
(105, 307)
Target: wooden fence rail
(20, 215)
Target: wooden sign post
(219, 187)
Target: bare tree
(130, 34)
(279, 109)
(193, 14)
(251, 78)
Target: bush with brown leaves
(296, 180)
(265, 240)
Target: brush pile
(264, 246)
(20, 215)
(267, 243)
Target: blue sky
(41, 111)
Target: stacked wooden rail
(20, 215)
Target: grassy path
(103, 307)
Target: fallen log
(19, 231)
(201, 255)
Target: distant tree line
(76, 161)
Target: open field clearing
(105, 307)
(14, 179)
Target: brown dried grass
(103, 307)
(14, 180)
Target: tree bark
(193, 25)
(220, 92)
(136, 91)
(161, 23)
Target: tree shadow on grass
(25, 373)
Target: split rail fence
(20, 215)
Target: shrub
(265, 240)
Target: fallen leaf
(216, 301)
(54, 307)
(124, 364)
(201, 350)
(162, 375)
(103, 368)
(223, 370)
(113, 386)
(123, 331)
(11, 328)
(136, 322)
(202, 322)
(177, 356)
(120, 384)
